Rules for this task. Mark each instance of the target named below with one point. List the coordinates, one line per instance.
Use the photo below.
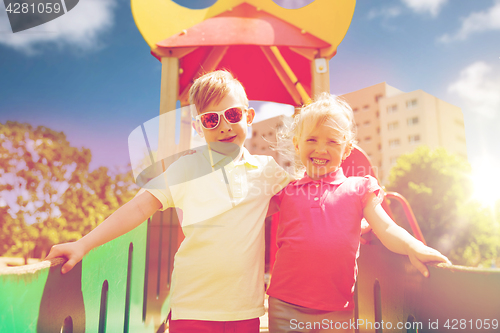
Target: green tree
(47, 194)
(96, 196)
(477, 234)
(437, 185)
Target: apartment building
(367, 114)
(418, 118)
(391, 123)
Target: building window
(392, 108)
(393, 160)
(378, 130)
(366, 107)
(414, 138)
(411, 104)
(368, 138)
(392, 126)
(378, 114)
(394, 143)
(412, 121)
(379, 146)
(355, 110)
(459, 122)
(254, 134)
(377, 97)
(366, 123)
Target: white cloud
(386, 13)
(425, 6)
(419, 6)
(476, 22)
(79, 28)
(479, 87)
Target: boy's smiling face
(226, 132)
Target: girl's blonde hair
(326, 109)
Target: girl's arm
(398, 239)
(124, 219)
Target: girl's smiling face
(321, 149)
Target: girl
(320, 222)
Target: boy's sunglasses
(210, 120)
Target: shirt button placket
(316, 195)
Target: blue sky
(90, 74)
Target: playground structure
(279, 55)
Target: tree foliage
(47, 193)
(437, 184)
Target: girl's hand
(418, 253)
(398, 239)
(74, 252)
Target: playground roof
(239, 40)
(267, 47)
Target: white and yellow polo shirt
(219, 268)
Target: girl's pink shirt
(318, 240)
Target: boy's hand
(420, 254)
(74, 252)
(189, 152)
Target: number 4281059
(478, 324)
(40, 8)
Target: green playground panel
(103, 293)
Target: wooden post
(169, 92)
(320, 76)
(164, 228)
(169, 84)
(186, 129)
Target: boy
(218, 276)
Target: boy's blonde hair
(212, 87)
(326, 109)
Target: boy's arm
(124, 219)
(274, 206)
(398, 239)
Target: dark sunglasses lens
(233, 115)
(210, 120)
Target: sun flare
(486, 181)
